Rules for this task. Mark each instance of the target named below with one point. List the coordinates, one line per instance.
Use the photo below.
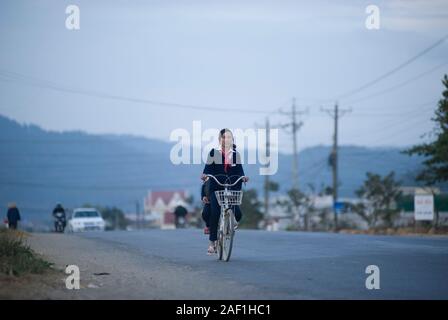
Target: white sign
(424, 207)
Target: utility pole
(137, 211)
(334, 154)
(295, 126)
(335, 114)
(266, 177)
(266, 187)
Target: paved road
(296, 265)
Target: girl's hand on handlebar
(204, 177)
(245, 179)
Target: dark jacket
(180, 211)
(13, 215)
(59, 212)
(215, 166)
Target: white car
(86, 219)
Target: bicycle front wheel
(219, 244)
(227, 236)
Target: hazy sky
(253, 55)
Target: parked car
(86, 219)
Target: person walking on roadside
(13, 216)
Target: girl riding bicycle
(224, 164)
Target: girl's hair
(221, 135)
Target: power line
(402, 130)
(33, 81)
(306, 171)
(380, 114)
(319, 171)
(402, 84)
(392, 71)
(295, 126)
(386, 126)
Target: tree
(272, 186)
(436, 153)
(114, 217)
(380, 196)
(326, 222)
(251, 209)
(299, 205)
(190, 200)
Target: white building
(159, 206)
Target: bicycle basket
(229, 197)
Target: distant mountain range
(39, 168)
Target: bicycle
(226, 199)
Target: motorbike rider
(59, 214)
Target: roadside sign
(338, 206)
(424, 207)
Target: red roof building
(161, 204)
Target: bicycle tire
(219, 240)
(227, 239)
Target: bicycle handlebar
(225, 184)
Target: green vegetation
(435, 153)
(251, 208)
(16, 257)
(382, 193)
(406, 203)
(114, 217)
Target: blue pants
(211, 213)
(206, 214)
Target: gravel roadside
(114, 271)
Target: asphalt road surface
(294, 265)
